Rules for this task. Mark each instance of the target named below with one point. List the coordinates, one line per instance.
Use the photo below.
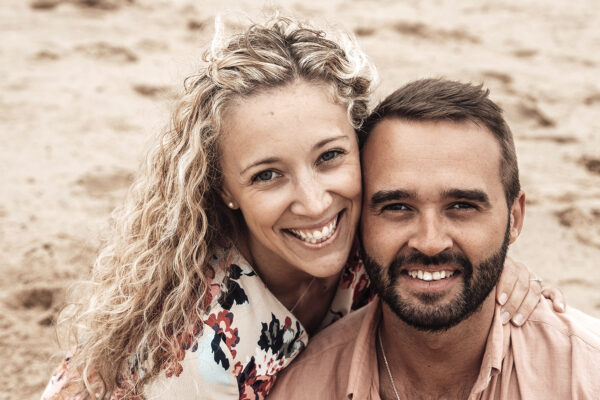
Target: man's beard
(428, 316)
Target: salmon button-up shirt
(552, 356)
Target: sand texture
(86, 84)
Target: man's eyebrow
(383, 196)
(467, 194)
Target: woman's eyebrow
(329, 140)
(269, 160)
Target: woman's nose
(313, 197)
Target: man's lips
(431, 273)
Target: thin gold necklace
(387, 366)
(302, 295)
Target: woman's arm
(519, 290)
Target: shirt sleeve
(200, 374)
(197, 372)
(61, 385)
(244, 338)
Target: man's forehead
(392, 135)
(420, 149)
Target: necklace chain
(387, 366)
(302, 295)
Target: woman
(238, 240)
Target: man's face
(435, 225)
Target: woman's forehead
(298, 115)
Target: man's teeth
(430, 276)
(318, 235)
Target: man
(441, 204)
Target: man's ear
(517, 215)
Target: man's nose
(431, 236)
(313, 197)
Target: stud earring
(230, 205)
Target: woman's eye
(329, 155)
(264, 176)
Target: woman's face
(290, 162)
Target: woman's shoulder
(245, 337)
(224, 271)
(236, 346)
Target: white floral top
(246, 337)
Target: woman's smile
(319, 236)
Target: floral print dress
(246, 337)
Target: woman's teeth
(430, 276)
(316, 235)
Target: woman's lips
(317, 235)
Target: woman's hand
(518, 291)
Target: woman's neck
(308, 296)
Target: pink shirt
(553, 356)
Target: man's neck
(433, 364)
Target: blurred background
(86, 84)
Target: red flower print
(353, 265)
(221, 323)
(225, 262)
(237, 368)
(363, 292)
(213, 291)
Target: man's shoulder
(569, 328)
(551, 344)
(555, 354)
(322, 369)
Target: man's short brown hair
(441, 99)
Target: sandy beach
(86, 84)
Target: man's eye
(264, 176)
(462, 206)
(395, 207)
(330, 155)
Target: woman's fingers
(532, 298)
(507, 281)
(521, 290)
(557, 297)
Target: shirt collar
(363, 380)
(495, 351)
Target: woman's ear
(517, 215)
(228, 197)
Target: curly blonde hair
(149, 282)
